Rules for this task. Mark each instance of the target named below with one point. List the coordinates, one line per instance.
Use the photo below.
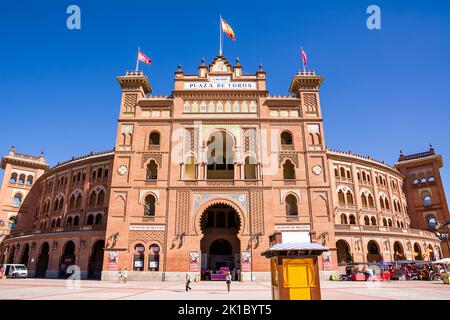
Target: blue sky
(385, 90)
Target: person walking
(188, 282)
(125, 275)
(228, 280)
(119, 275)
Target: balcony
(347, 228)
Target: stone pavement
(44, 289)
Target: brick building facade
(200, 179)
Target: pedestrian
(228, 280)
(188, 282)
(238, 274)
(2, 272)
(119, 275)
(125, 275)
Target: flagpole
(220, 35)
(137, 59)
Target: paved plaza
(45, 289)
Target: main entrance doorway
(220, 245)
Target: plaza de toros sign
(220, 83)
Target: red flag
(142, 57)
(304, 58)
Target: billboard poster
(194, 261)
(246, 260)
(113, 260)
(327, 262)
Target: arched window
(101, 198)
(79, 176)
(90, 220)
(69, 221)
(366, 220)
(384, 222)
(94, 174)
(359, 175)
(98, 218)
(364, 200)
(149, 206)
(17, 200)
(92, 198)
(371, 202)
(342, 172)
(153, 258)
(58, 222)
(336, 172)
(72, 202)
(55, 206)
(12, 223)
(343, 218)
(401, 224)
(341, 197)
(286, 138)
(154, 139)
(374, 221)
(364, 176)
(431, 222)
(78, 201)
(21, 179)
(291, 205)
(13, 178)
(350, 198)
(106, 173)
(288, 170)
(152, 170)
(390, 222)
(138, 259)
(427, 200)
(99, 173)
(76, 220)
(386, 203)
(352, 219)
(423, 180)
(349, 176)
(250, 168)
(382, 203)
(29, 180)
(189, 168)
(53, 223)
(431, 179)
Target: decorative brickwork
(156, 156)
(310, 102)
(184, 205)
(130, 102)
(146, 236)
(257, 212)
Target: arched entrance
(417, 252)
(42, 262)
(220, 245)
(373, 252)
(96, 260)
(25, 255)
(11, 254)
(343, 252)
(67, 259)
(431, 253)
(398, 251)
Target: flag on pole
(227, 29)
(304, 58)
(142, 57)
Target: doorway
(220, 245)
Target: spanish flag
(227, 29)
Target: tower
(427, 205)
(20, 172)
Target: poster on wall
(327, 262)
(194, 261)
(112, 260)
(246, 261)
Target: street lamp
(444, 234)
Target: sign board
(113, 259)
(293, 227)
(194, 261)
(220, 85)
(295, 237)
(327, 261)
(246, 261)
(148, 227)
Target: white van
(15, 270)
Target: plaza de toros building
(201, 178)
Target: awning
(295, 249)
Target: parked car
(15, 270)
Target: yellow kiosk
(294, 269)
